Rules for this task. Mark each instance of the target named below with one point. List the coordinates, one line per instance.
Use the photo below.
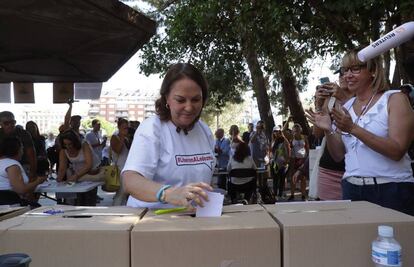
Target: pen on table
(164, 211)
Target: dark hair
(71, 136)
(9, 147)
(177, 72)
(95, 121)
(36, 132)
(242, 151)
(6, 114)
(121, 121)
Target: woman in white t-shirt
(171, 160)
(14, 182)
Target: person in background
(39, 143)
(246, 185)
(246, 135)
(14, 182)
(95, 139)
(235, 139)
(50, 140)
(78, 162)
(372, 131)
(408, 90)
(300, 151)
(259, 144)
(120, 145)
(330, 172)
(9, 129)
(171, 160)
(280, 155)
(51, 152)
(222, 150)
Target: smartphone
(324, 80)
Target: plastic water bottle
(386, 251)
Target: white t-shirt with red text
(166, 156)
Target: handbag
(112, 176)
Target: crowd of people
(364, 131)
(28, 158)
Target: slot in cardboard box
(244, 236)
(318, 234)
(99, 236)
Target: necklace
(364, 110)
(364, 107)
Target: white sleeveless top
(360, 160)
(4, 178)
(298, 148)
(79, 160)
(121, 158)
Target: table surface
(224, 171)
(55, 187)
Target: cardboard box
(244, 236)
(7, 212)
(318, 234)
(101, 237)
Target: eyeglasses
(10, 122)
(355, 69)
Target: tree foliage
(264, 45)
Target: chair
(248, 189)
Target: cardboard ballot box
(81, 236)
(244, 236)
(7, 212)
(326, 234)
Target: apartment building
(119, 103)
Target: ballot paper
(213, 207)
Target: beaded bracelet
(160, 193)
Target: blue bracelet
(161, 192)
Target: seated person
(241, 160)
(78, 163)
(14, 182)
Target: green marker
(164, 211)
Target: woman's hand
(41, 179)
(343, 120)
(319, 119)
(72, 178)
(184, 195)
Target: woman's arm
(400, 133)
(117, 143)
(63, 165)
(146, 190)
(14, 174)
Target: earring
(167, 106)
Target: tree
(108, 127)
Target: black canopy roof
(68, 40)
